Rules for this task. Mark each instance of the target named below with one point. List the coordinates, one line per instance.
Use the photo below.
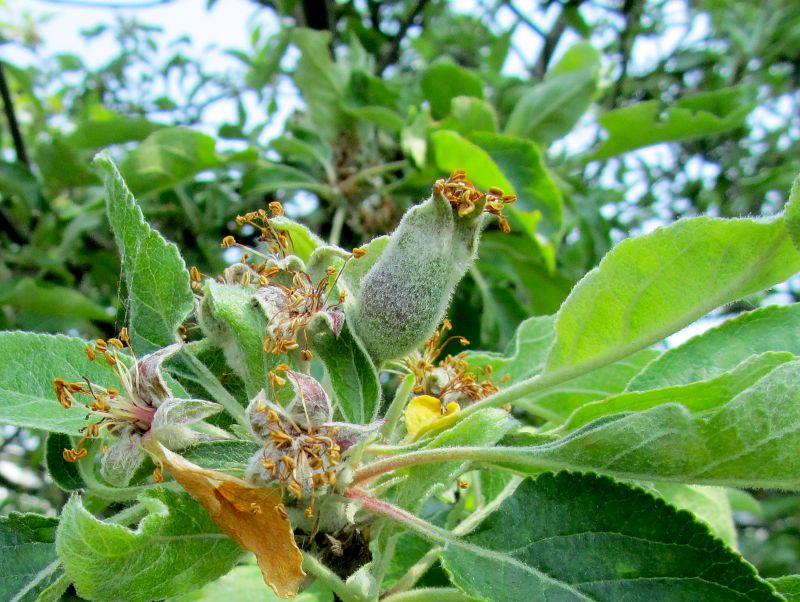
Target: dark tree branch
(632, 11)
(394, 47)
(11, 117)
(524, 19)
(552, 39)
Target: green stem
(430, 594)
(375, 170)
(521, 456)
(207, 380)
(336, 225)
(328, 577)
(129, 515)
(395, 411)
(404, 517)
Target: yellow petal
(424, 413)
(252, 516)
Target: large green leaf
(550, 109)
(442, 82)
(176, 548)
(159, 294)
(752, 441)
(788, 587)
(649, 287)
(584, 537)
(28, 561)
(109, 128)
(351, 373)
(709, 504)
(722, 348)
(168, 157)
(30, 363)
(264, 178)
(649, 122)
(700, 396)
(47, 300)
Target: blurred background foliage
(606, 118)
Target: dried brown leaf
(252, 516)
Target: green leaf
(262, 178)
(28, 561)
(750, 442)
(227, 456)
(247, 583)
(168, 157)
(481, 428)
(231, 320)
(708, 504)
(793, 213)
(159, 295)
(509, 163)
(17, 180)
(30, 363)
(469, 114)
(302, 241)
(788, 587)
(722, 348)
(352, 375)
(442, 82)
(321, 82)
(49, 300)
(556, 403)
(699, 396)
(525, 355)
(650, 122)
(584, 537)
(64, 474)
(550, 109)
(109, 129)
(175, 549)
(649, 287)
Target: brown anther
(282, 368)
(90, 353)
(158, 476)
(318, 480)
(306, 354)
(112, 361)
(315, 463)
(296, 490)
(123, 336)
(282, 511)
(263, 280)
(276, 208)
(330, 476)
(506, 407)
(333, 455)
(269, 464)
(92, 430)
(505, 228)
(271, 271)
(330, 271)
(289, 463)
(101, 345)
(280, 438)
(495, 191)
(342, 296)
(116, 343)
(418, 389)
(73, 455)
(255, 508)
(309, 512)
(196, 276)
(272, 417)
(359, 252)
(228, 242)
(462, 484)
(277, 381)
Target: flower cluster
(302, 447)
(142, 406)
